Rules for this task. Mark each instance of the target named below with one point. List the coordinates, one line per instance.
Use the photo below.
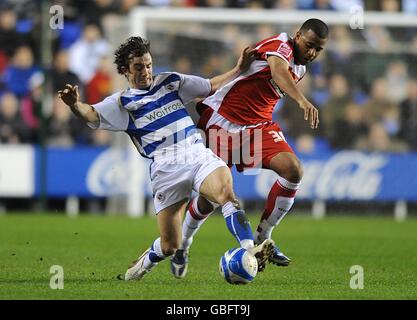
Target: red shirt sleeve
(277, 48)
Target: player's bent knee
(225, 195)
(293, 171)
(296, 172)
(288, 166)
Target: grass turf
(94, 252)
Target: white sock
(228, 209)
(194, 219)
(279, 202)
(155, 255)
(247, 244)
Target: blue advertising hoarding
(345, 175)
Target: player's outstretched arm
(83, 111)
(243, 64)
(281, 76)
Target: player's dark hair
(317, 26)
(132, 47)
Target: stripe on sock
(239, 226)
(194, 212)
(154, 257)
(287, 184)
(156, 254)
(284, 191)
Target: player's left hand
(247, 56)
(311, 113)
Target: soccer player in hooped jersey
(244, 106)
(151, 111)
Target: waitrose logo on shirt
(162, 112)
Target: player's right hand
(69, 95)
(310, 113)
(247, 56)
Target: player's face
(139, 73)
(308, 46)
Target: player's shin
(279, 202)
(194, 219)
(238, 225)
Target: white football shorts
(173, 178)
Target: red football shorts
(249, 148)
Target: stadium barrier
(87, 172)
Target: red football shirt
(250, 98)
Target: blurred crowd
(365, 83)
(367, 98)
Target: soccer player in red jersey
(244, 107)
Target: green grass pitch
(94, 251)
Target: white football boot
(137, 271)
(263, 252)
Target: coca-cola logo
(349, 175)
(112, 173)
(108, 174)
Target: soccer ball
(238, 266)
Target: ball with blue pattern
(238, 266)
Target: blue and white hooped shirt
(156, 119)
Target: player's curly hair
(132, 47)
